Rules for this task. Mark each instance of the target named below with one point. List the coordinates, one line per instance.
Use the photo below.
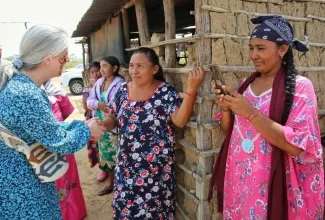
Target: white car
(72, 79)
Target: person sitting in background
(103, 91)
(27, 179)
(72, 202)
(92, 145)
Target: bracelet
(253, 115)
(223, 110)
(190, 94)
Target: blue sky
(65, 13)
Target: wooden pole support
(142, 21)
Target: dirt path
(98, 207)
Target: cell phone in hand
(85, 95)
(219, 86)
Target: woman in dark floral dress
(145, 111)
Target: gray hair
(6, 73)
(38, 43)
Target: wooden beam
(266, 1)
(245, 69)
(186, 170)
(188, 194)
(317, 1)
(129, 4)
(212, 125)
(192, 124)
(213, 8)
(215, 35)
(167, 42)
(170, 33)
(316, 17)
(126, 29)
(183, 213)
(142, 21)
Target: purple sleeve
(115, 90)
(92, 101)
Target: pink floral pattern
(247, 174)
(145, 183)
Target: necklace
(247, 143)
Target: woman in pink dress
(72, 202)
(270, 165)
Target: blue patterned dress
(25, 110)
(145, 182)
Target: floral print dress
(92, 144)
(249, 161)
(145, 182)
(106, 145)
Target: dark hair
(95, 64)
(290, 82)
(114, 62)
(154, 60)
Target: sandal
(106, 190)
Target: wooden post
(142, 21)
(203, 135)
(170, 33)
(126, 30)
(90, 56)
(85, 77)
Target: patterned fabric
(106, 145)
(145, 182)
(25, 110)
(276, 29)
(48, 166)
(72, 202)
(85, 93)
(248, 172)
(52, 91)
(92, 144)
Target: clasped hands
(97, 128)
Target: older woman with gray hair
(32, 141)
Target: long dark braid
(290, 82)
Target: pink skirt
(72, 202)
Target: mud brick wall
(234, 52)
(231, 51)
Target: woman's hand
(219, 100)
(103, 107)
(96, 127)
(237, 103)
(109, 120)
(195, 78)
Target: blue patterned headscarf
(276, 29)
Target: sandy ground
(98, 207)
